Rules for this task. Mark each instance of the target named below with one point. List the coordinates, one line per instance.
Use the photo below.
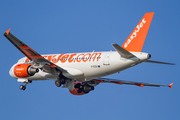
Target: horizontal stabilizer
(151, 61)
(124, 53)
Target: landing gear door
(106, 59)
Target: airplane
(81, 72)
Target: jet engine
(25, 70)
(81, 88)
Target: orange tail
(136, 39)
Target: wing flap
(140, 84)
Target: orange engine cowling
(25, 70)
(81, 89)
(75, 91)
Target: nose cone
(11, 72)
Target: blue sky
(60, 26)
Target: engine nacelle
(87, 88)
(80, 89)
(77, 85)
(75, 92)
(24, 70)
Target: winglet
(7, 32)
(170, 85)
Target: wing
(28, 52)
(107, 80)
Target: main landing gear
(59, 82)
(23, 87)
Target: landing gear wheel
(58, 83)
(22, 87)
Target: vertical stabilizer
(136, 39)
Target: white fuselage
(85, 66)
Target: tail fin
(136, 39)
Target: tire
(22, 87)
(58, 83)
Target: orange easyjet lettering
(56, 60)
(27, 60)
(64, 58)
(71, 57)
(96, 55)
(83, 59)
(50, 57)
(78, 59)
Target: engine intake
(87, 88)
(80, 89)
(25, 70)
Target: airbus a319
(81, 72)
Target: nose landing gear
(23, 87)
